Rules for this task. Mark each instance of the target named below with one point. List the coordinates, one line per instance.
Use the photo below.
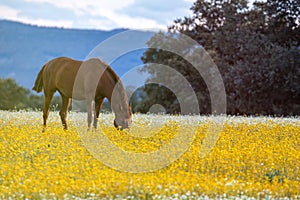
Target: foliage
(256, 50)
(15, 97)
(253, 158)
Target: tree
(15, 97)
(256, 50)
(12, 96)
(160, 94)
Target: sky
(96, 14)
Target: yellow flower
(253, 157)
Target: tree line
(256, 49)
(16, 97)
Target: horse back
(60, 74)
(76, 79)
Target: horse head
(123, 120)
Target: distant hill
(25, 48)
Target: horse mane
(112, 73)
(117, 80)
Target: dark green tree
(12, 96)
(16, 97)
(255, 48)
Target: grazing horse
(90, 80)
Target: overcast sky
(96, 14)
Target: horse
(90, 80)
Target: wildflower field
(254, 157)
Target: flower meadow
(253, 157)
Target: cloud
(123, 21)
(8, 12)
(190, 1)
(15, 15)
(104, 14)
(163, 12)
(88, 7)
(96, 14)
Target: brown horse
(90, 80)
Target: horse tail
(38, 85)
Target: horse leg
(47, 101)
(98, 103)
(89, 111)
(63, 110)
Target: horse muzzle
(122, 126)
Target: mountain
(24, 49)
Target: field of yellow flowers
(254, 157)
